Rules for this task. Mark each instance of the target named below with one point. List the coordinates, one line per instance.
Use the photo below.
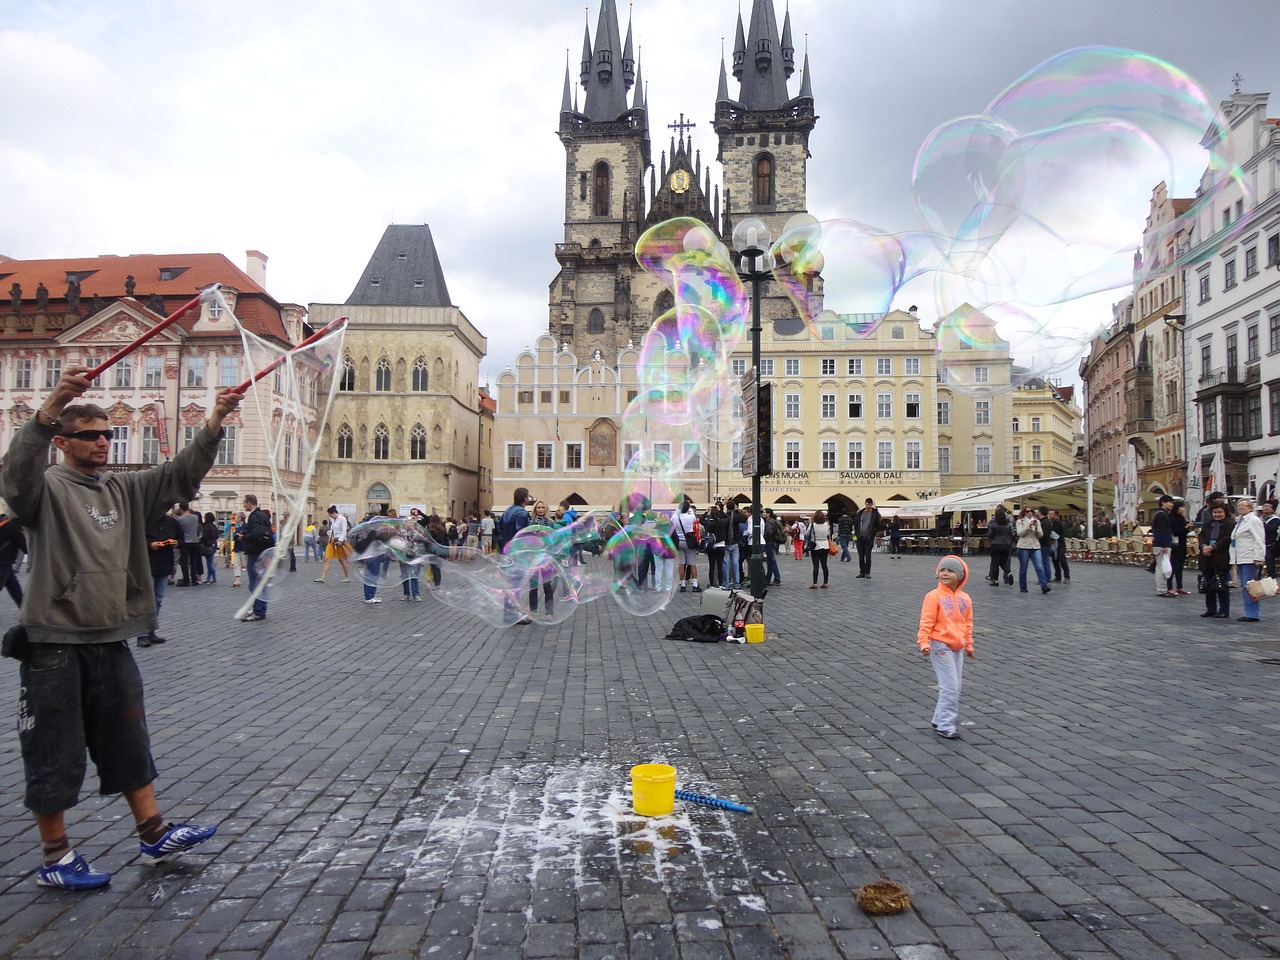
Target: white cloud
(303, 129)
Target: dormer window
(171, 273)
(402, 256)
(604, 65)
(375, 281)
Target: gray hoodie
(90, 570)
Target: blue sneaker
(177, 838)
(72, 872)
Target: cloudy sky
(303, 129)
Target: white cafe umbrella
(1217, 473)
(1129, 481)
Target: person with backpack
(514, 519)
(687, 533)
(799, 529)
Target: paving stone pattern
(403, 781)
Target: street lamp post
(751, 239)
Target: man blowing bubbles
(91, 590)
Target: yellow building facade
(1046, 425)
(864, 410)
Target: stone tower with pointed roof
(606, 141)
(764, 133)
(405, 428)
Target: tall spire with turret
(764, 74)
(788, 48)
(739, 49)
(628, 60)
(607, 81)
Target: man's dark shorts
(77, 698)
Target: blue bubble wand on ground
(716, 802)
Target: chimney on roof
(256, 267)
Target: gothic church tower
(606, 145)
(600, 299)
(764, 135)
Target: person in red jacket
(946, 638)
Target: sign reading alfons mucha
(816, 487)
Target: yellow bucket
(755, 633)
(653, 789)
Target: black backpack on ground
(703, 628)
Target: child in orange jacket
(946, 638)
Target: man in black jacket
(163, 534)
(867, 525)
(256, 538)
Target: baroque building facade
(80, 311)
(408, 427)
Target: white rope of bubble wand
(331, 327)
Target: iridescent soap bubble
(685, 367)
(1059, 168)
(634, 553)
(857, 266)
(1043, 198)
(266, 567)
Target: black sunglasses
(91, 435)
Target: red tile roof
(105, 277)
(1182, 204)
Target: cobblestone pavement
(402, 781)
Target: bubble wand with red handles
(330, 327)
(208, 294)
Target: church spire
(584, 75)
(638, 102)
(566, 101)
(788, 48)
(606, 88)
(764, 82)
(628, 61)
(806, 87)
(739, 49)
(722, 91)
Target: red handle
(324, 331)
(125, 351)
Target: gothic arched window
(595, 323)
(600, 205)
(348, 381)
(381, 442)
(345, 442)
(418, 442)
(382, 375)
(420, 378)
(763, 171)
(662, 303)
